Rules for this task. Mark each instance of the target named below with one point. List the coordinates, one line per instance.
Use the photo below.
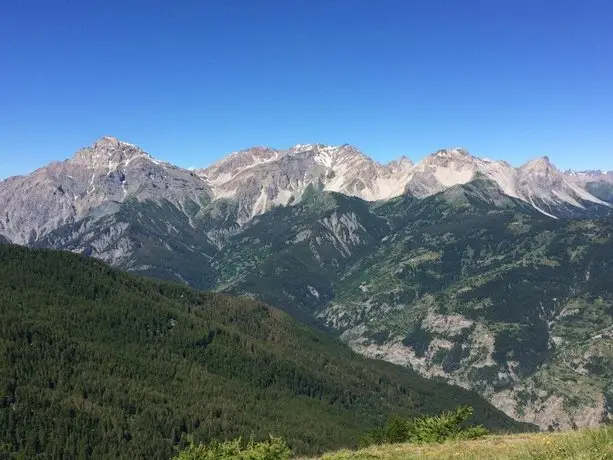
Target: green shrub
(430, 429)
(273, 449)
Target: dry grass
(592, 444)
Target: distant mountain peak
(111, 142)
(544, 160)
(108, 140)
(456, 151)
(590, 173)
(447, 156)
(107, 150)
(305, 147)
(400, 163)
(541, 165)
(336, 150)
(257, 150)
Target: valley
(466, 270)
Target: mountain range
(257, 179)
(465, 269)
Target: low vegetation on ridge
(586, 444)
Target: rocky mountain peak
(107, 151)
(404, 160)
(445, 157)
(339, 156)
(401, 164)
(262, 150)
(318, 149)
(304, 147)
(539, 166)
(453, 152)
(230, 166)
(108, 141)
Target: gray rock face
(109, 171)
(537, 182)
(261, 178)
(545, 187)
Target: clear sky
(191, 81)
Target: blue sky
(190, 81)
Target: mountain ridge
(262, 177)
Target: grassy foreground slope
(95, 363)
(588, 444)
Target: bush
(273, 449)
(429, 429)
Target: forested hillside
(95, 363)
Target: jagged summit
(542, 165)
(445, 156)
(402, 159)
(108, 150)
(401, 164)
(109, 140)
(257, 150)
(452, 152)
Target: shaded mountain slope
(145, 237)
(291, 255)
(502, 300)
